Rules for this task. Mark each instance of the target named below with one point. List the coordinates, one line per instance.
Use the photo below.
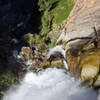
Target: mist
(52, 84)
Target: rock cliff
(81, 34)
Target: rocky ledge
(81, 34)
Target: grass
(52, 44)
(62, 10)
(55, 13)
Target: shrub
(28, 38)
(54, 11)
(6, 80)
(45, 7)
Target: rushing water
(58, 51)
(51, 84)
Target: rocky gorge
(24, 47)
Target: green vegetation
(53, 43)
(54, 11)
(42, 40)
(6, 80)
(45, 7)
(28, 38)
(62, 10)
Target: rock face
(84, 16)
(81, 35)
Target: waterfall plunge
(52, 84)
(59, 49)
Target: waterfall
(51, 84)
(58, 51)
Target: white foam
(60, 49)
(14, 40)
(15, 54)
(20, 24)
(52, 84)
(98, 94)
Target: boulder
(90, 67)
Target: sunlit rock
(90, 67)
(84, 16)
(80, 36)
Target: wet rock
(97, 82)
(55, 58)
(85, 65)
(55, 63)
(90, 66)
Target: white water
(27, 63)
(60, 49)
(52, 84)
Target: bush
(28, 38)
(41, 40)
(6, 80)
(54, 11)
(45, 7)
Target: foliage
(42, 40)
(28, 38)
(46, 21)
(62, 10)
(54, 11)
(45, 7)
(53, 43)
(6, 80)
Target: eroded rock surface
(81, 34)
(84, 16)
